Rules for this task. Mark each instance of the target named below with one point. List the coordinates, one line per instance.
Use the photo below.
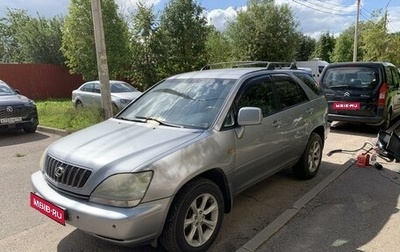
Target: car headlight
(124, 101)
(122, 190)
(42, 161)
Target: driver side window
(258, 93)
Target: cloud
(220, 18)
(393, 20)
(126, 6)
(314, 18)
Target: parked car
(168, 166)
(362, 92)
(88, 94)
(316, 65)
(16, 111)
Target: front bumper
(124, 226)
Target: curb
(52, 130)
(285, 217)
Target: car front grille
(65, 174)
(16, 111)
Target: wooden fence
(40, 81)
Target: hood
(13, 100)
(126, 95)
(121, 145)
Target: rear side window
(348, 77)
(396, 77)
(309, 81)
(88, 87)
(289, 91)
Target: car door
(395, 91)
(85, 94)
(258, 147)
(296, 111)
(96, 95)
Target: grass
(61, 114)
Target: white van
(316, 65)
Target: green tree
(374, 39)
(218, 47)
(28, 39)
(344, 47)
(41, 40)
(325, 46)
(393, 55)
(181, 37)
(144, 62)
(10, 26)
(306, 48)
(78, 43)
(265, 31)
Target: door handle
(276, 123)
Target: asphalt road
(24, 229)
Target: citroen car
(362, 92)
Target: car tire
(194, 218)
(78, 104)
(30, 129)
(308, 165)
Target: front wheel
(31, 129)
(194, 218)
(308, 165)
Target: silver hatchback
(168, 166)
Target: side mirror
(17, 91)
(249, 116)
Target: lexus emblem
(346, 94)
(9, 109)
(59, 171)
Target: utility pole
(102, 66)
(356, 33)
(386, 15)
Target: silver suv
(168, 166)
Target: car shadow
(357, 212)
(354, 129)
(362, 129)
(8, 138)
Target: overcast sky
(314, 16)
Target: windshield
(5, 90)
(192, 103)
(121, 87)
(357, 77)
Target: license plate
(346, 105)
(52, 211)
(10, 120)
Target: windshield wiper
(146, 119)
(338, 86)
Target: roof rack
(265, 64)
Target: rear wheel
(194, 218)
(309, 163)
